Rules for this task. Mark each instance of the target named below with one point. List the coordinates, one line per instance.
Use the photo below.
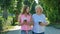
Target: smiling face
(38, 10)
(27, 9)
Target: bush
(5, 23)
(1, 23)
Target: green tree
(5, 5)
(51, 10)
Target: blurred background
(10, 9)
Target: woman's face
(38, 10)
(27, 9)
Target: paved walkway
(49, 30)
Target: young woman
(25, 21)
(39, 21)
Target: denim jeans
(38, 33)
(24, 32)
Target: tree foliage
(51, 10)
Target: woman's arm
(44, 23)
(32, 22)
(19, 20)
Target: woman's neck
(25, 14)
(38, 13)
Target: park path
(49, 30)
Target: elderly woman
(39, 21)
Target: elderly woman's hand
(43, 24)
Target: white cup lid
(25, 19)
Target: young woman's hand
(24, 23)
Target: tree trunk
(5, 13)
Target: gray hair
(39, 6)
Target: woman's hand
(43, 24)
(25, 23)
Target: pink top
(22, 17)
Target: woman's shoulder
(43, 15)
(33, 15)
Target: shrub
(1, 23)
